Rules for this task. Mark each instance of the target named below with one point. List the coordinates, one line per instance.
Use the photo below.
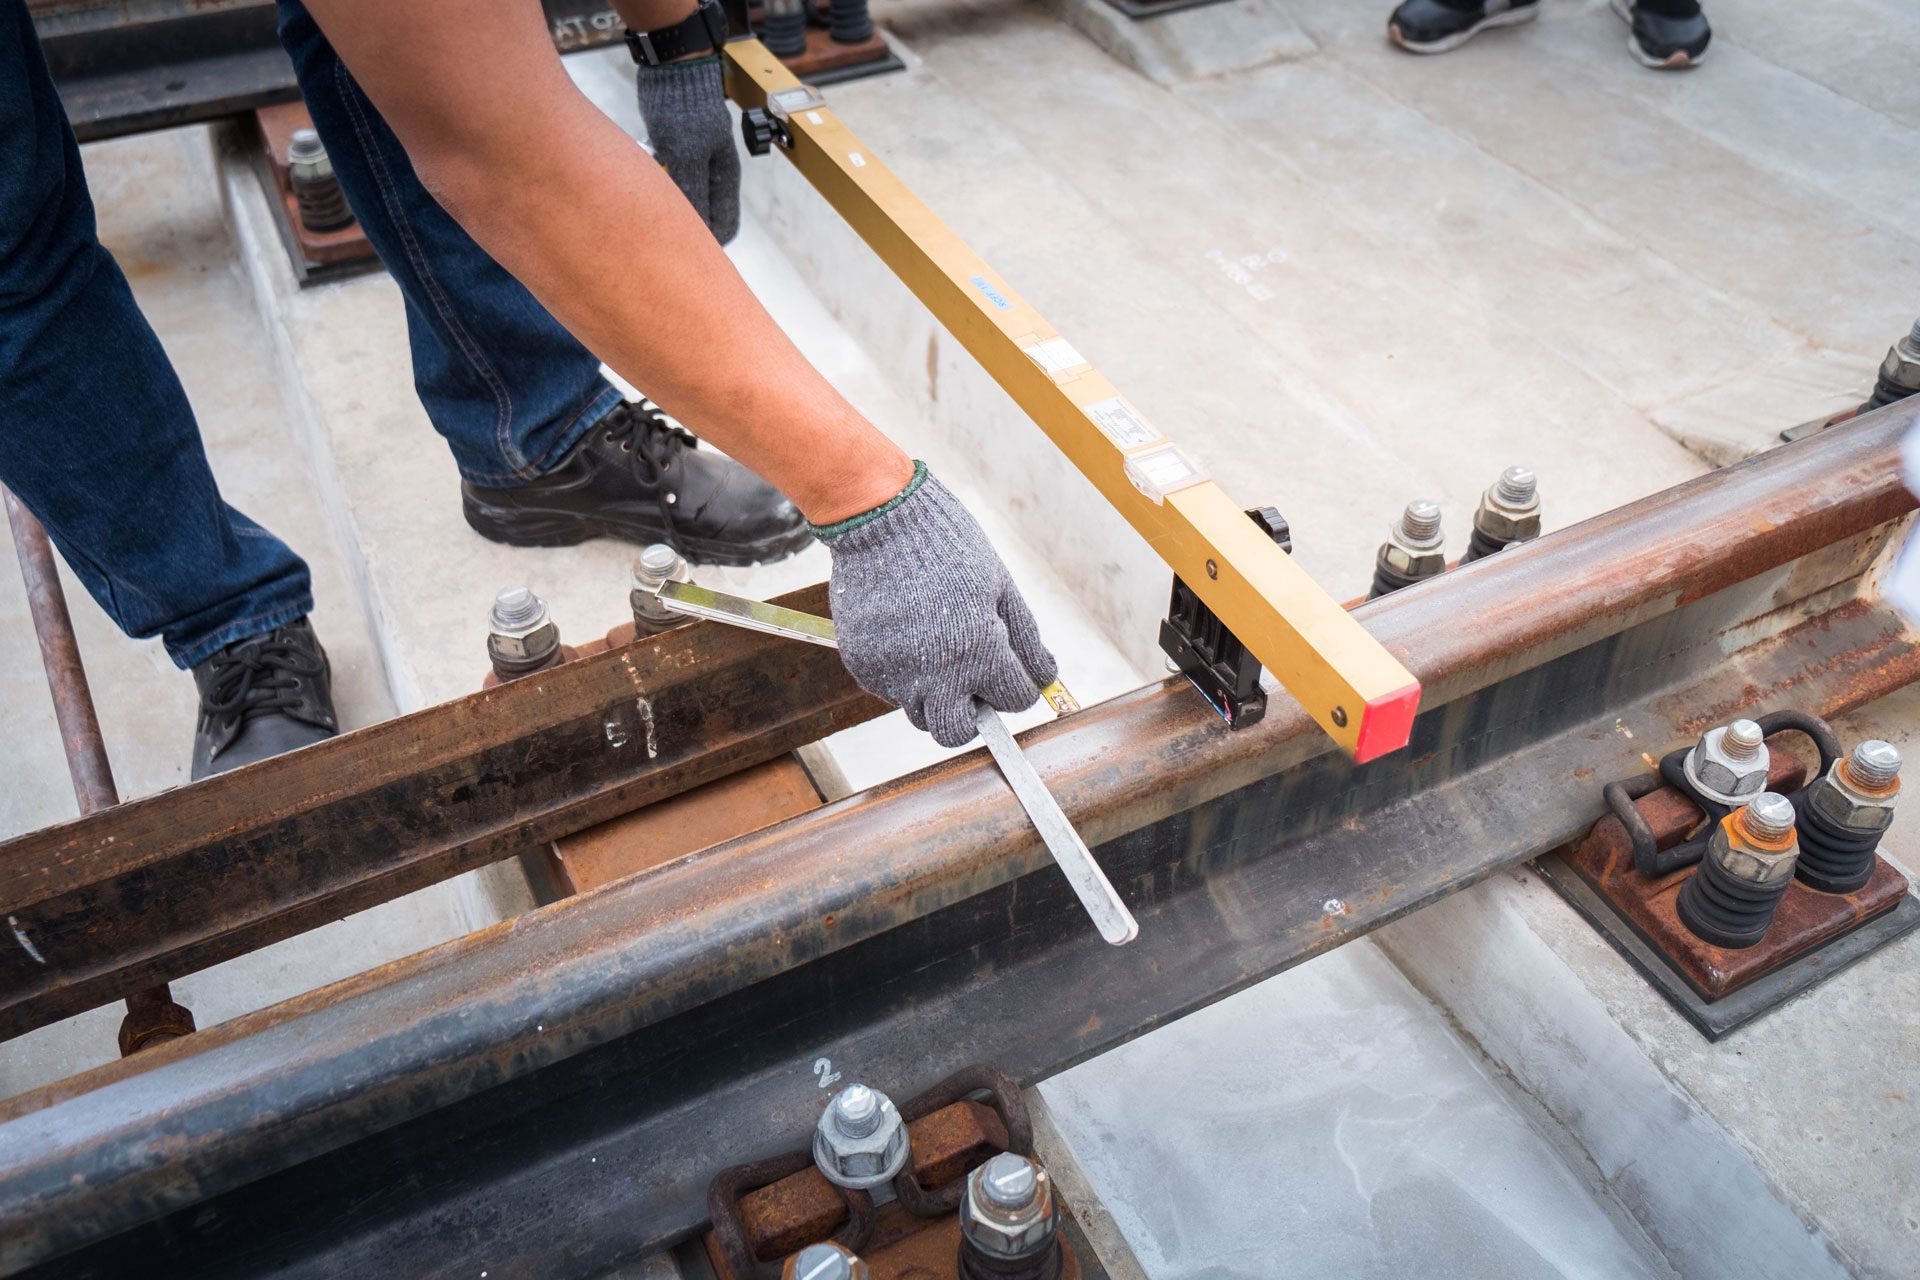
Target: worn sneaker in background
(1435, 26)
(637, 477)
(261, 696)
(1667, 35)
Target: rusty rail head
(60, 654)
(265, 1091)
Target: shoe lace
(654, 440)
(255, 679)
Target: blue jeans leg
(96, 436)
(501, 379)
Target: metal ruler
(1358, 692)
(1090, 884)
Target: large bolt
(521, 637)
(1769, 817)
(316, 191)
(1509, 512)
(824, 1261)
(1844, 814)
(1413, 549)
(657, 564)
(1874, 765)
(1420, 523)
(1729, 766)
(861, 1141)
(1009, 1215)
(784, 24)
(1730, 898)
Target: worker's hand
(685, 108)
(927, 615)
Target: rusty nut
(824, 1261)
(861, 1141)
(1009, 1210)
(1850, 807)
(1745, 858)
(1719, 770)
(1902, 365)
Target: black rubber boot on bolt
(262, 696)
(1667, 35)
(637, 477)
(1435, 26)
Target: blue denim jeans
(509, 388)
(106, 451)
(96, 436)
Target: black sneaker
(261, 696)
(638, 477)
(1662, 40)
(1435, 26)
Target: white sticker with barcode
(1055, 356)
(1123, 426)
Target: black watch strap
(702, 31)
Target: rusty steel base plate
(1719, 988)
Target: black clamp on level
(1211, 656)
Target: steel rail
(168, 884)
(549, 1096)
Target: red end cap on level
(1387, 723)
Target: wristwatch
(704, 29)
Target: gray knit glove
(685, 108)
(928, 617)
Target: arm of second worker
(565, 201)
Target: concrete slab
(1189, 44)
(1327, 1122)
(1787, 1149)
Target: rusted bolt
(1730, 898)
(316, 191)
(1414, 549)
(655, 565)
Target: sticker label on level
(1055, 356)
(993, 295)
(1123, 426)
(814, 117)
(1167, 469)
(859, 161)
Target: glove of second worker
(927, 615)
(685, 107)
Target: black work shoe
(1664, 41)
(638, 477)
(1435, 26)
(261, 696)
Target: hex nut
(1748, 860)
(857, 1161)
(824, 1261)
(1846, 805)
(1723, 777)
(1009, 1233)
(1414, 562)
(1902, 365)
(541, 640)
(1504, 522)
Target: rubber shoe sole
(521, 528)
(1504, 18)
(1678, 60)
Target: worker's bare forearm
(569, 204)
(651, 15)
